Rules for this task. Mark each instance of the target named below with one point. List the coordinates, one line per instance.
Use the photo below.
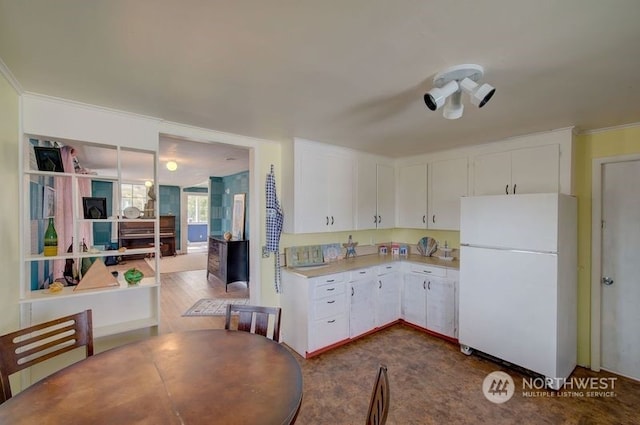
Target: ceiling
(345, 72)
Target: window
(198, 208)
(133, 195)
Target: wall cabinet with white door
(375, 193)
(526, 170)
(362, 301)
(448, 182)
(411, 196)
(318, 190)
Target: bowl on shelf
(133, 276)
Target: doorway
(197, 222)
(615, 290)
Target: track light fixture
(448, 88)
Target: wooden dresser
(228, 260)
(140, 234)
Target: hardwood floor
(431, 381)
(181, 290)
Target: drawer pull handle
(331, 289)
(427, 271)
(331, 321)
(331, 280)
(363, 272)
(331, 302)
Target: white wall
(9, 207)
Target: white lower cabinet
(362, 302)
(414, 299)
(441, 306)
(321, 311)
(429, 299)
(315, 311)
(387, 294)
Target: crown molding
(4, 70)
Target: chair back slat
(380, 398)
(34, 344)
(252, 318)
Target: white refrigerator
(518, 281)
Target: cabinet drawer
(389, 268)
(329, 306)
(361, 274)
(328, 331)
(328, 290)
(428, 270)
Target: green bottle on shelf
(50, 240)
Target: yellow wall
(9, 214)
(613, 142)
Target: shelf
(43, 295)
(131, 325)
(108, 253)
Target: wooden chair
(42, 342)
(380, 398)
(256, 317)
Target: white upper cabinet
(526, 170)
(375, 194)
(318, 194)
(411, 196)
(448, 182)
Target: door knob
(607, 281)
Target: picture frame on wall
(237, 228)
(48, 202)
(48, 159)
(94, 208)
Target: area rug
(213, 306)
(180, 263)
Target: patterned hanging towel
(275, 219)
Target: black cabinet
(228, 260)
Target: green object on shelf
(50, 240)
(133, 276)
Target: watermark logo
(498, 387)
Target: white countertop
(371, 260)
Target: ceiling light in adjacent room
(172, 165)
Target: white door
(386, 196)
(414, 299)
(411, 210)
(620, 315)
(362, 310)
(441, 303)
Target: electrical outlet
(265, 253)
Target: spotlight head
(480, 95)
(436, 97)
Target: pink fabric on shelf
(64, 209)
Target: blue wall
(221, 202)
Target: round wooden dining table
(195, 377)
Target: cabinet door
(386, 199)
(447, 184)
(388, 298)
(492, 174)
(414, 302)
(441, 306)
(536, 170)
(366, 194)
(412, 196)
(312, 194)
(361, 313)
(340, 170)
